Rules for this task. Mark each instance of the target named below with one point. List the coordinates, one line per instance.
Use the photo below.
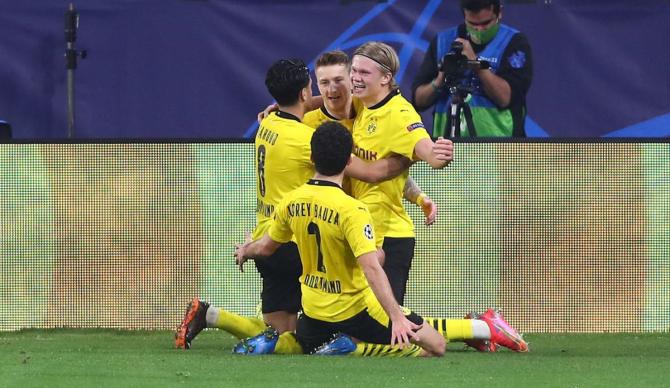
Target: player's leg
(432, 342)
(470, 331)
(281, 287)
(200, 315)
(483, 332)
(399, 253)
(309, 335)
(371, 329)
(283, 321)
(502, 333)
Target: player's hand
(402, 331)
(266, 112)
(240, 251)
(444, 149)
(429, 210)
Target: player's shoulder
(299, 193)
(349, 204)
(402, 110)
(313, 118)
(287, 125)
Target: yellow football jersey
(331, 230)
(390, 127)
(283, 163)
(319, 116)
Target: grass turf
(147, 358)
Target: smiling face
(335, 86)
(370, 83)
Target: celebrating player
(344, 289)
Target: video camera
(455, 64)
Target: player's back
(331, 229)
(283, 163)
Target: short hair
(385, 56)
(285, 79)
(331, 148)
(335, 57)
(478, 5)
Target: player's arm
(377, 171)
(437, 154)
(402, 330)
(413, 193)
(252, 250)
(266, 112)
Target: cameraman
(498, 96)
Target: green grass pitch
(88, 358)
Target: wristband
(421, 198)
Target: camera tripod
(457, 104)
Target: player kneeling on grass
(344, 288)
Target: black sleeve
(428, 70)
(517, 67)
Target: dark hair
(285, 79)
(478, 5)
(331, 148)
(335, 57)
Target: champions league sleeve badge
(367, 231)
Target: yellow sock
(452, 329)
(239, 326)
(288, 344)
(364, 349)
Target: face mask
(483, 36)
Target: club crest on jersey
(414, 126)
(367, 231)
(372, 127)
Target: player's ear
(304, 93)
(386, 79)
(349, 160)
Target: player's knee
(435, 348)
(440, 348)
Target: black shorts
(281, 284)
(399, 253)
(312, 333)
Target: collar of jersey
(320, 182)
(286, 115)
(386, 99)
(325, 112)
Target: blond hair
(385, 57)
(334, 57)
